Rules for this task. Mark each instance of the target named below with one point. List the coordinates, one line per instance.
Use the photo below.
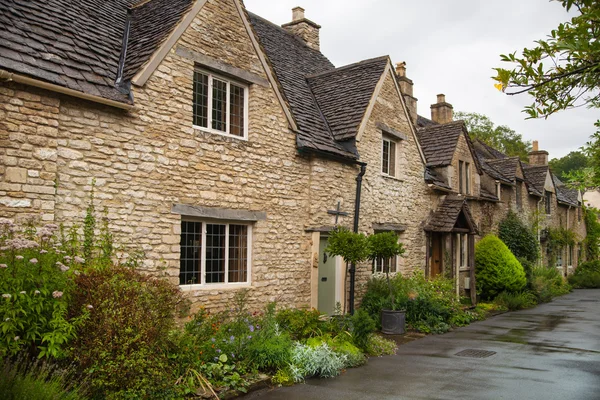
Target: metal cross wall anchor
(337, 213)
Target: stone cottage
(227, 147)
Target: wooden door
(437, 255)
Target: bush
(23, 380)
(586, 275)
(301, 324)
(496, 268)
(319, 361)
(271, 348)
(342, 346)
(547, 283)
(517, 300)
(123, 345)
(35, 285)
(431, 305)
(519, 238)
(378, 346)
(362, 327)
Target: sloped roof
(292, 61)
(78, 44)
(343, 94)
(423, 122)
(564, 194)
(487, 195)
(444, 219)
(507, 167)
(535, 177)
(486, 151)
(439, 142)
(432, 177)
(492, 172)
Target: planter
(393, 322)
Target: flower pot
(393, 322)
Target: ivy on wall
(592, 241)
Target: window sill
(215, 132)
(463, 269)
(393, 178)
(214, 286)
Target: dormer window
(388, 157)
(220, 105)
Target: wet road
(550, 352)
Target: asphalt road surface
(549, 352)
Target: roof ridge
(343, 67)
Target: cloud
(450, 47)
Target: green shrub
(362, 326)
(23, 380)
(301, 324)
(341, 345)
(547, 283)
(496, 268)
(586, 275)
(379, 346)
(591, 242)
(319, 361)
(123, 344)
(35, 285)
(270, 349)
(519, 238)
(283, 377)
(517, 300)
(431, 305)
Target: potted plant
(385, 246)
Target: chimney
(441, 112)
(406, 87)
(304, 28)
(537, 156)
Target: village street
(549, 352)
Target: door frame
(340, 293)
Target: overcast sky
(449, 47)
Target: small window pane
(191, 250)
(215, 253)
(385, 167)
(392, 162)
(238, 253)
(219, 105)
(200, 99)
(460, 177)
(467, 178)
(236, 107)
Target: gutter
(359, 178)
(9, 76)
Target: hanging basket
(393, 322)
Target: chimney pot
(303, 28)
(442, 112)
(537, 156)
(401, 68)
(297, 14)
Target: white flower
(6, 296)
(7, 319)
(89, 306)
(3, 266)
(23, 292)
(19, 257)
(56, 294)
(36, 292)
(79, 260)
(33, 261)
(43, 251)
(17, 338)
(76, 272)
(67, 258)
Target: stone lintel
(386, 226)
(324, 228)
(218, 213)
(220, 66)
(390, 131)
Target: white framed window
(220, 105)
(214, 253)
(388, 157)
(462, 250)
(382, 264)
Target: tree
(561, 72)
(500, 137)
(574, 161)
(383, 246)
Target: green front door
(326, 280)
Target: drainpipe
(359, 177)
(541, 262)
